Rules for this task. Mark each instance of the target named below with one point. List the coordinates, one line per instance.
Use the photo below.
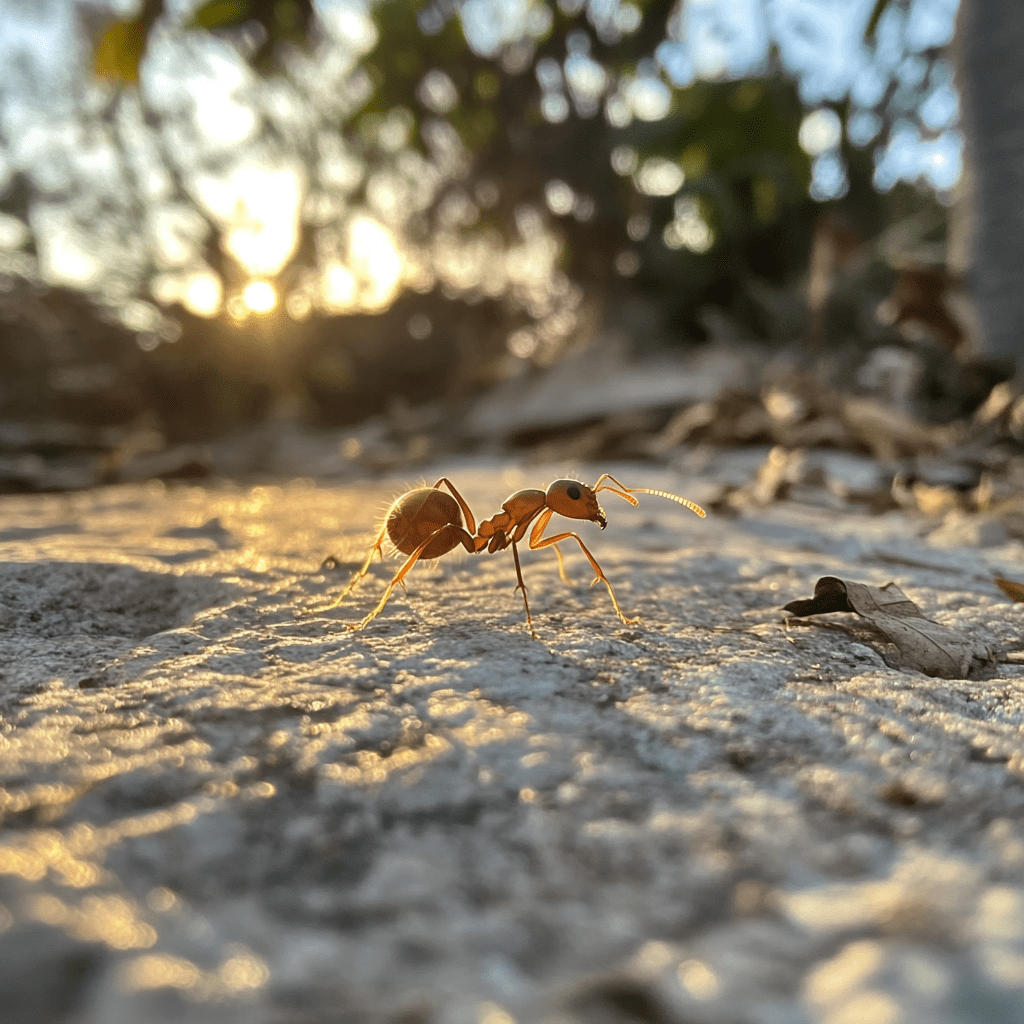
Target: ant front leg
(536, 544)
(561, 567)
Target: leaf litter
(922, 643)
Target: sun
(260, 296)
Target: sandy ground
(221, 807)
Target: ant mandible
(427, 523)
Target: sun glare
(376, 261)
(202, 294)
(258, 204)
(260, 296)
(338, 287)
(371, 277)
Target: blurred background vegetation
(215, 214)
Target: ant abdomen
(420, 514)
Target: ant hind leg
(463, 538)
(377, 549)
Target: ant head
(574, 500)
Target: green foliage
(737, 144)
(119, 50)
(742, 209)
(221, 14)
(403, 56)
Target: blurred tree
(990, 43)
(702, 185)
(539, 162)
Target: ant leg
(538, 528)
(536, 544)
(522, 586)
(561, 567)
(470, 521)
(377, 549)
(399, 578)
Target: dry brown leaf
(923, 644)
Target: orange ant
(427, 523)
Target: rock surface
(220, 805)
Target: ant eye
(573, 492)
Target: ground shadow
(55, 599)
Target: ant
(427, 523)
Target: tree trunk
(990, 58)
